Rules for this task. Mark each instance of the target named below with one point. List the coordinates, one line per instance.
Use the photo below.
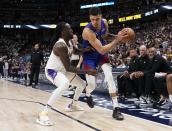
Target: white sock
(115, 102)
(74, 102)
(170, 97)
(88, 94)
(46, 108)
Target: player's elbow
(102, 51)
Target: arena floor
(20, 106)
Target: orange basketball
(131, 34)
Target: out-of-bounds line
(94, 128)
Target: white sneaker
(43, 119)
(74, 107)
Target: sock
(88, 94)
(74, 102)
(115, 102)
(170, 98)
(45, 110)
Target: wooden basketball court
(19, 107)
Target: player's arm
(80, 62)
(81, 50)
(91, 37)
(108, 36)
(61, 50)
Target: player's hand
(78, 66)
(92, 72)
(122, 36)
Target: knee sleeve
(107, 70)
(91, 83)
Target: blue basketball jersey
(92, 58)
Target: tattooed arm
(109, 37)
(82, 50)
(61, 50)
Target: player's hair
(60, 27)
(95, 11)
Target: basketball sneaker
(74, 107)
(117, 114)
(90, 101)
(43, 119)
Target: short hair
(60, 27)
(143, 46)
(132, 48)
(95, 11)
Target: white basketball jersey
(54, 61)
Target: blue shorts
(93, 63)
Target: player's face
(69, 31)
(96, 20)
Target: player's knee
(107, 70)
(109, 78)
(63, 82)
(91, 81)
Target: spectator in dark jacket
(125, 84)
(36, 59)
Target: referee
(36, 59)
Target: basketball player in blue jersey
(59, 71)
(93, 36)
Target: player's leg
(62, 82)
(91, 81)
(80, 84)
(107, 70)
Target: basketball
(130, 33)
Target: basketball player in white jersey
(60, 72)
